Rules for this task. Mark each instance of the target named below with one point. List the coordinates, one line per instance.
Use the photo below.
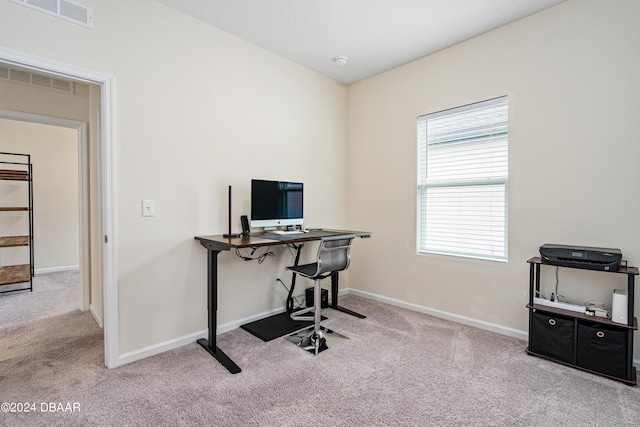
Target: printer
(603, 259)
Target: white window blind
(462, 181)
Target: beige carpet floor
(398, 368)
(53, 294)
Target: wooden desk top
(254, 240)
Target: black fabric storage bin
(552, 335)
(603, 349)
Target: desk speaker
(324, 298)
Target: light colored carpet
(53, 294)
(398, 368)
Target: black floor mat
(276, 326)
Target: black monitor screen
(276, 200)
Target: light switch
(148, 208)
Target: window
(462, 181)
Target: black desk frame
(217, 244)
(212, 308)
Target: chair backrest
(333, 253)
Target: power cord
(296, 258)
(297, 304)
(260, 257)
(556, 296)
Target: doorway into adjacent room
(53, 154)
(95, 208)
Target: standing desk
(217, 244)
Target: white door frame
(107, 86)
(83, 202)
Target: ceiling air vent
(67, 10)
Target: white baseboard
(56, 269)
(230, 326)
(152, 350)
(515, 333)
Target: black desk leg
(212, 307)
(334, 298)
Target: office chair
(333, 256)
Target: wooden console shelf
(593, 344)
(583, 316)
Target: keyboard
(286, 232)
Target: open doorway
(56, 179)
(98, 210)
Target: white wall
(54, 156)
(571, 75)
(196, 110)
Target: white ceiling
(375, 35)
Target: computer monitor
(276, 203)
